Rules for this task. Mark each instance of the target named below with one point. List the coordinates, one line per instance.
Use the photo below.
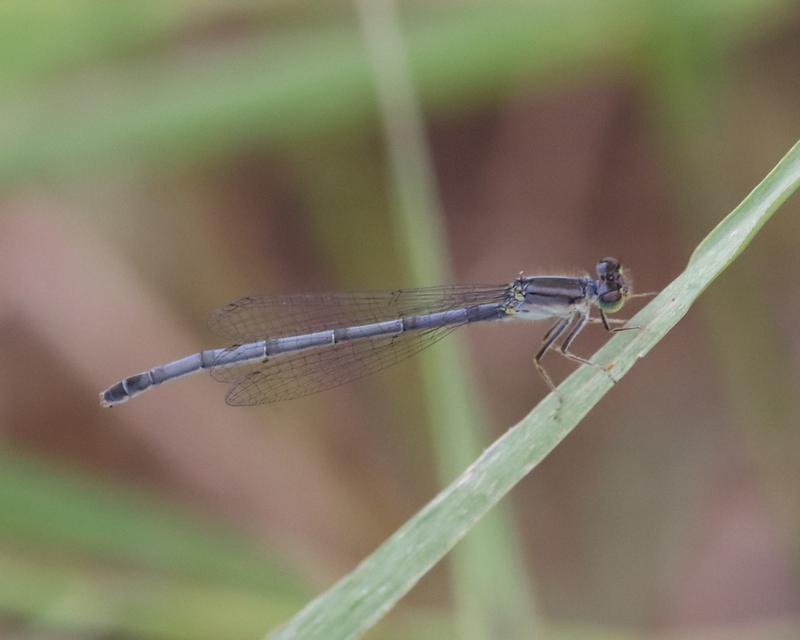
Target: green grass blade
(361, 598)
(290, 85)
(42, 507)
(68, 596)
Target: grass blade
(64, 512)
(362, 597)
(487, 572)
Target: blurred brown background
(158, 160)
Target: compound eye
(607, 267)
(611, 301)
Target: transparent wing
(306, 372)
(259, 317)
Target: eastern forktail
(295, 345)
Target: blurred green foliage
(161, 106)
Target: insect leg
(550, 337)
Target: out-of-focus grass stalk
(75, 597)
(362, 597)
(46, 507)
(284, 86)
(488, 570)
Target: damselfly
(296, 345)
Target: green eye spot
(613, 305)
